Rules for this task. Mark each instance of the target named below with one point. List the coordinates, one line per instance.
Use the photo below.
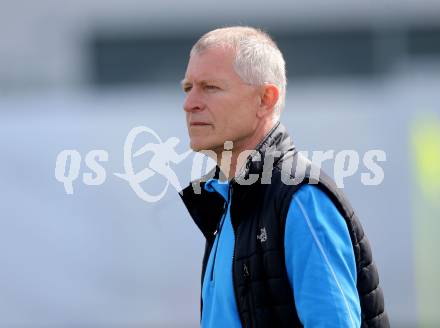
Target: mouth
(198, 124)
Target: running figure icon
(163, 154)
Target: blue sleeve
(320, 262)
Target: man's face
(219, 106)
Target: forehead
(211, 64)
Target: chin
(200, 144)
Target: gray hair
(258, 59)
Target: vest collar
(273, 147)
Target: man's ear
(269, 95)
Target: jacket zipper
(233, 269)
(218, 230)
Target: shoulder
(312, 206)
(312, 194)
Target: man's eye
(187, 89)
(211, 87)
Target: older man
(283, 247)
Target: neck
(231, 161)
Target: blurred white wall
(102, 257)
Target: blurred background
(80, 75)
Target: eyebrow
(185, 82)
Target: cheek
(245, 112)
(241, 122)
(232, 113)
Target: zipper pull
(245, 271)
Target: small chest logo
(263, 235)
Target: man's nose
(193, 101)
